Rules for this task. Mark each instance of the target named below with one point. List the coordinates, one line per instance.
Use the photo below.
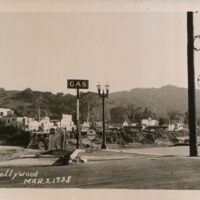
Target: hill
(121, 105)
(159, 100)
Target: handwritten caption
(32, 177)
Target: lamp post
(103, 96)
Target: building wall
(85, 127)
(33, 126)
(66, 122)
(177, 126)
(10, 120)
(5, 112)
(150, 122)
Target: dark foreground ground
(135, 172)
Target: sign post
(91, 134)
(78, 84)
(77, 121)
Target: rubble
(74, 159)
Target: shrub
(21, 139)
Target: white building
(133, 124)
(33, 126)
(149, 122)
(176, 127)
(45, 124)
(66, 122)
(13, 120)
(5, 112)
(125, 123)
(26, 123)
(85, 127)
(19, 121)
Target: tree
(161, 121)
(118, 114)
(27, 93)
(2, 92)
(20, 111)
(2, 123)
(138, 116)
(186, 119)
(89, 105)
(147, 113)
(131, 111)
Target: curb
(103, 158)
(141, 153)
(151, 154)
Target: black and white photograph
(99, 100)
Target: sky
(42, 50)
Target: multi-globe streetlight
(103, 96)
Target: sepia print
(104, 99)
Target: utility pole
(191, 86)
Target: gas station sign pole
(78, 84)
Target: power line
(80, 52)
(93, 52)
(97, 40)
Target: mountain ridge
(158, 100)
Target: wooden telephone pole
(191, 86)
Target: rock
(41, 146)
(72, 141)
(84, 160)
(70, 162)
(157, 141)
(87, 146)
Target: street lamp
(103, 96)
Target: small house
(85, 127)
(125, 123)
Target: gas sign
(74, 84)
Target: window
(13, 120)
(8, 121)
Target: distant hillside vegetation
(120, 106)
(157, 99)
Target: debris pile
(159, 137)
